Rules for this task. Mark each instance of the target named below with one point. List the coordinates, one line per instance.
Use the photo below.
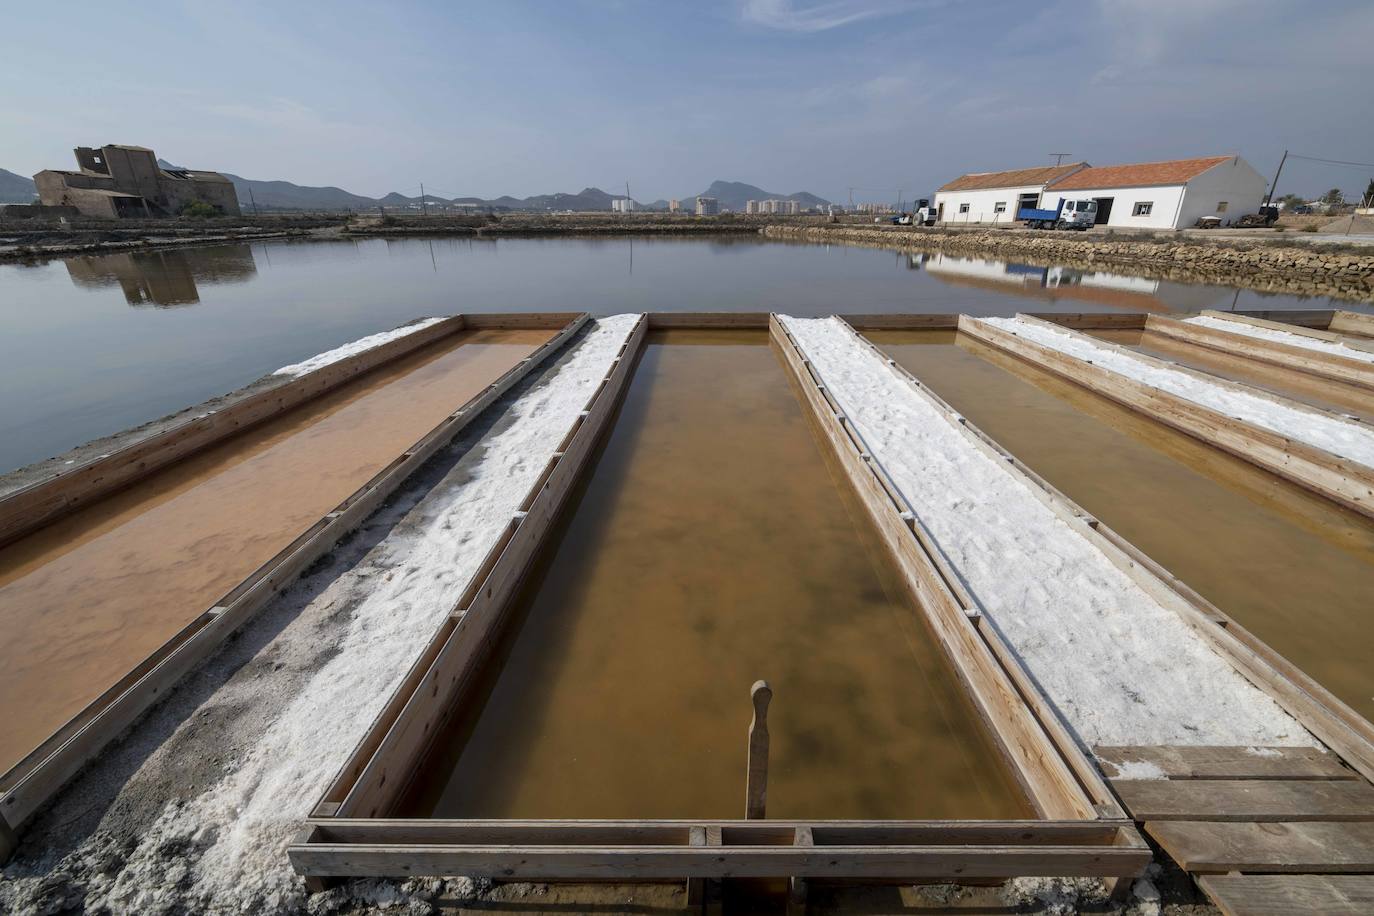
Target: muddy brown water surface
(1291, 567)
(84, 600)
(710, 546)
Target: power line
(1363, 165)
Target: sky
(522, 97)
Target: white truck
(1070, 214)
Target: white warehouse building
(994, 197)
(1165, 195)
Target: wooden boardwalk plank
(1284, 895)
(1226, 762)
(1310, 846)
(1246, 800)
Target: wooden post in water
(756, 789)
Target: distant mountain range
(284, 195)
(16, 189)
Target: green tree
(1333, 196)
(1369, 194)
(1289, 201)
(199, 209)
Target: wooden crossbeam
(1279, 846)
(1286, 895)
(1205, 762)
(1246, 799)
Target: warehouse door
(1104, 210)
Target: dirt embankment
(1303, 270)
(534, 224)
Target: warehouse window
(1143, 208)
(1000, 207)
(963, 208)
(1221, 206)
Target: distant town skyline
(523, 98)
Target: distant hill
(16, 189)
(285, 195)
(733, 195)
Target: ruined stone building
(126, 181)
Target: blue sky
(522, 97)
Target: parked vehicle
(1070, 214)
(1266, 217)
(924, 215)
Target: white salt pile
(1120, 667)
(1344, 438)
(1333, 347)
(320, 360)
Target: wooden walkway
(1261, 830)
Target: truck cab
(1070, 214)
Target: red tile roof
(1138, 174)
(1018, 178)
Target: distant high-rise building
(790, 207)
(623, 205)
(707, 206)
(674, 206)
(751, 207)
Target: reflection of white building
(1056, 277)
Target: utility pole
(1059, 158)
(424, 211)
(1278, 171)
(254, 201)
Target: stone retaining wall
(1291, 269)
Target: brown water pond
(711, 546)
(1291, 567)
(84, 600)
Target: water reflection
(1055, 283)
(164, 278)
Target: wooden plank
(905, 322)
(1346, 322)
(30, 784)
(1288, 328)
(1341, 480)
(1304, 318)
(1292, 847)
(1095, 321)
(1246, 799)
(1029, 751)
(757, 321)
(31, 507)
(369, 783)
(1286, 895)
(486, 832)
(1177, 762)
(1316, 363)
(638, 863)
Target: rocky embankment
(1296, 269)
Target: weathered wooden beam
(1246, 799)
(1316, 363)
(1330, 847)
(1207, 762)
(542, 863)
(756, 777)
(1345, 322)
(1286, 895)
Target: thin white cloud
(788, 16)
